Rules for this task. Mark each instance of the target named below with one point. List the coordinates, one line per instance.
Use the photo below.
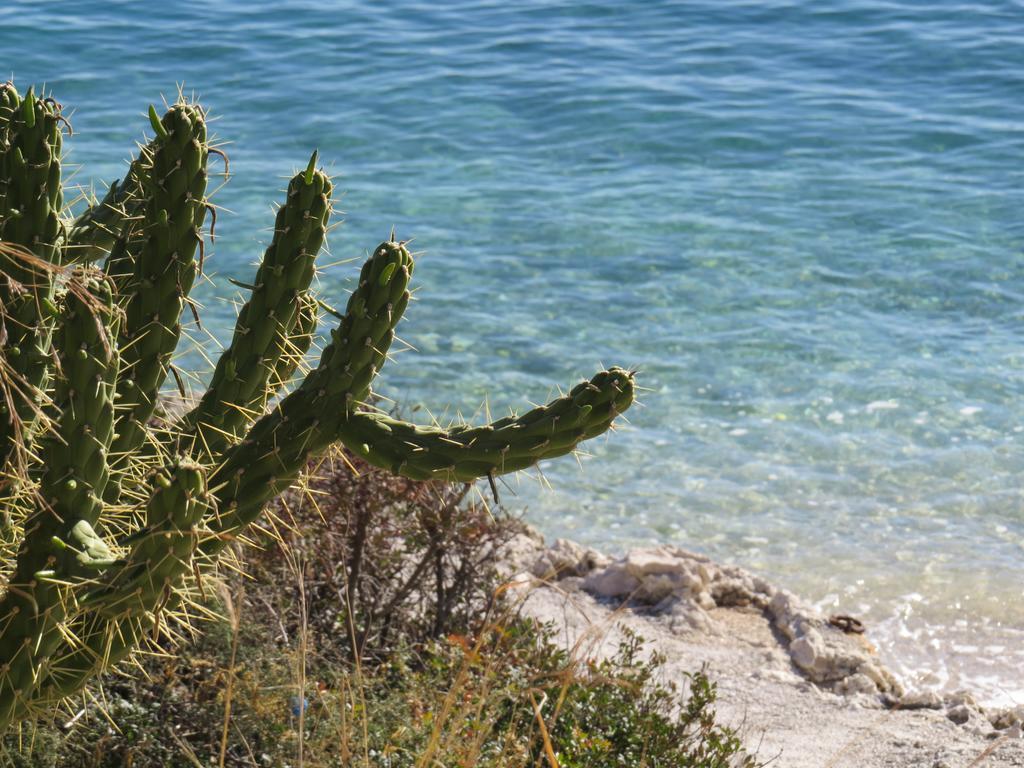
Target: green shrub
(457, 704)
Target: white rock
(780, 676)
(613, 581)
(807, 651)
(685, 615)
(521, 581)
(961, 698)
(645, 561)
(857, 683)
(685, 587)
(519, 552)
(882, 679)
(566, 558)
(705, 600)
(571, 584)
(594, 559)
(865, 700)
(560, 559)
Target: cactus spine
(84, 352)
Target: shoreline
(799, 688)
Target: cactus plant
(109, 512)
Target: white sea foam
(961, 655)
(881, 405)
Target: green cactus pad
(30, 173)
(75, 453)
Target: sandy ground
(763, 675)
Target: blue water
(801, 221)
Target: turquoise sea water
(803, 222)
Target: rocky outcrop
(816, 679)
(688, 587)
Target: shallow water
(802, 222)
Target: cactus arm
(10, 103)
(75, 455)
(244, 376)
(163, 270)
(509, 445)
(59, 543)
(30, 220)
(33, 199)
(92, 235)
(308, 420)
(97, 228)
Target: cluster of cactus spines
(294, 343)
(92, 578)
(123, 605)
(161, 547)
